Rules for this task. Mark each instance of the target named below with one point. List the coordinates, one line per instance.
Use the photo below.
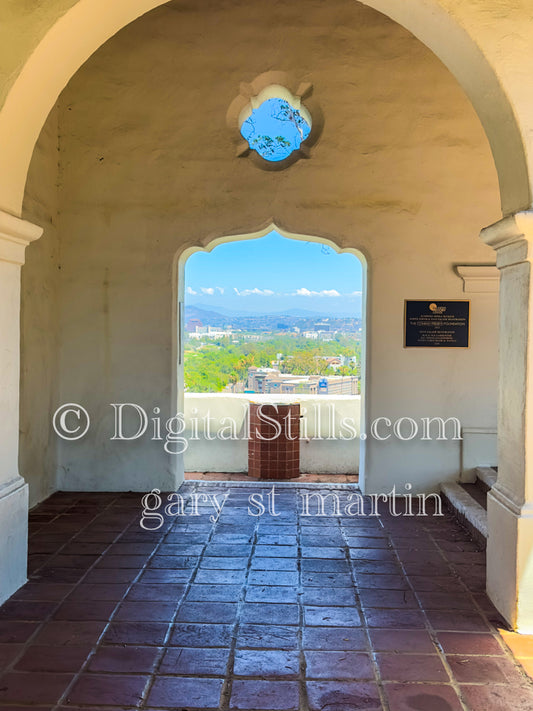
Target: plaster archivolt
(87, 24)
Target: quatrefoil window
(275, 128)
(275, 120)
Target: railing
(217, 427)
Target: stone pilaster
(510, 505)
(15, 235)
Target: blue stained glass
(275, 129)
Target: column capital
(15, 236)
(512, 238)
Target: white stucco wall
(326, 446)
(40, 319)
(402, 172)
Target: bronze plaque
(437, 324)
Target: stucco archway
(72, 37)
(207, 245)
(63, 46)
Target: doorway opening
(272, 318)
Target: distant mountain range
(207, 317)
(217, 312)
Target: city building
(271, 380)
(201, 332)
(193, 324)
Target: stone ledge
(468, 511)
(15, 235)
(487, 476)
(479, 279)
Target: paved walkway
(254, 612)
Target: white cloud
(253, 292)
(191, 292)
(207, 290)
(220, 290)
(325, 292)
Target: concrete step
(477, 492)
(486, 477)
(468, 501)
(471, 514)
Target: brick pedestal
(274, 444)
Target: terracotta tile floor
(272, 612)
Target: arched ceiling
(66, 33)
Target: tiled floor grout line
(225, 696)
(401, 543)
(51, 556)
(304, 700)
(77, 495)
(375, 666)
(42, 523)
(493, 631)
(466, 589)
(97, 645)
(164, 644)
(51, 614)
(433, 634)
(78, 533)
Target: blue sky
(275, 129)
(274, 274)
